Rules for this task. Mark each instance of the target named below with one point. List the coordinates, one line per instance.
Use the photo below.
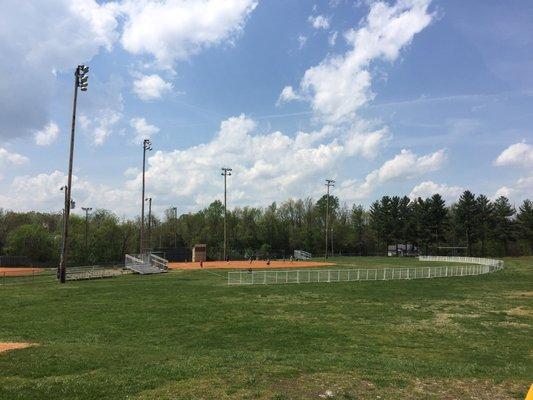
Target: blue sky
(399, 97)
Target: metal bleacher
(145, 264)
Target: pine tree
(525, 222)
(466, 218)
(503, 229)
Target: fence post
(298, 276)
(329, 276)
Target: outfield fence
(474, 266)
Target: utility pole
(149, 200)
(86, 209)
(147, 145)
(225, 173)
(329, 183)
(80, 81)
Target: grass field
(187, 335)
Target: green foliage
(33, 241)
(486, 227)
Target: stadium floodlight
(225, 173)
(329, 183)
(80, 82)
(147, 146)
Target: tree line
(479, 225)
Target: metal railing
(269, 277)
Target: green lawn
(187, 335)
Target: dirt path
(6, 346)
(246, 264)
(22, 271)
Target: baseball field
(186, 334)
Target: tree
(484, 220)
(466, 218)
(525, 222)
(34, 242)
(503, 229)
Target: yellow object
(529, 395)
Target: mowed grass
(187, 335)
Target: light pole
(149, 200)
(329, 183)
(225, 173)
(86, 209)
(147, 145)
(80, 81)
(175, 216)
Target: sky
(406, 97)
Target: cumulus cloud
(266, 166)
(319, 22)
(520, 190)
(47, 196)
(404, 166)
(142, 129)
(172, 30)
(47, 37)
(8, 158)
(47, 135)
(341, 84)
(33, 45)
(151, 87)
(518, 154)
(429, 188)
(287, 94)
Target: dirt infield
(23, 271)
(6, 346)
(246, 264)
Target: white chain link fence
(476, 266)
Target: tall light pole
(147, 145)
(80, 81)
(225, 173)
(329, 183)
(175, 216)
(86, 209)
(149, 200)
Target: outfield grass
(187, 335)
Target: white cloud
(143, 130)
(8, 158)
(40, 39)
(519, 154)
(266, 166)
(332, 38)
(47, 135)
(151, 87)
(520, 190)
(319, 22)
(101, 126)
(47, 196)
(287, 94)
(172, 30)
(302, 40)
(340, 85)
(404, 166)
(428, 188)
